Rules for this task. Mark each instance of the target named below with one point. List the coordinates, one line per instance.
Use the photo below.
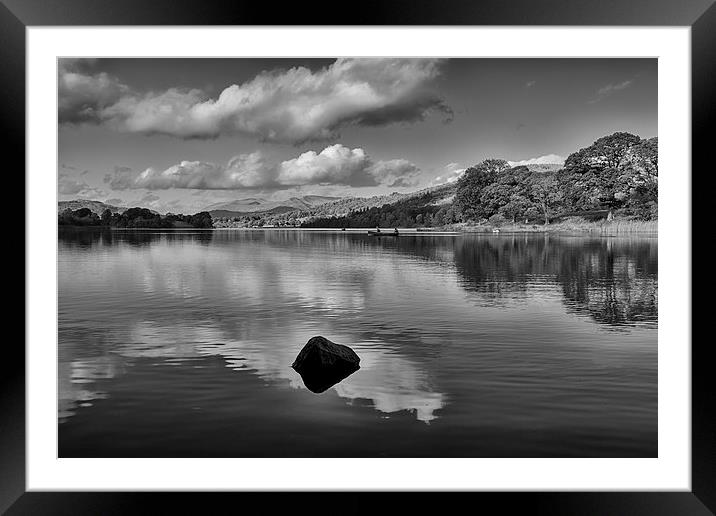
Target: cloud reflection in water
(391, 382)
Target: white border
(671, 471)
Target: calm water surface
(180, 344)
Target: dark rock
(322, 363)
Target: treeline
(615, 176)
(133, 218)
(258, 220)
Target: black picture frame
(700, 15)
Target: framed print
(417, 252)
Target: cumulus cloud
(334, 165)
(243, 171)
(607, 90)
(337, 164)
(548, 159)
(293, 106)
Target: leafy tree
(81, 217)
(106, 217)
(617, 172)
(640, 190)
(606, 152)
(201, 220)
(470, 186)
(515, 208)
(508, 188)
(544, 194)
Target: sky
(178, 135)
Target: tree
(544, 194)
(201, 220)
(507, 188)
(64, 218)
(640, 189)
(470, 186)
(515, 208)
(617, 172)
(606, 152)
(81, 217)
(83, 212)
(106, 217)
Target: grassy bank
(570, 225)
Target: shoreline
(465, 230)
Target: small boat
(383, 233)
(495, 230)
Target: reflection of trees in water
(83, 238)
(86, 238)
(613, 280)
(500, 267)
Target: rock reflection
(320, 381)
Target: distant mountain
(228, 214)
(245, 205)
(96, 206)
(433, 196)
(440, 194)
(254, 205)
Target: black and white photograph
(357, 257)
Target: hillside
(95, 206)
(229, 214)
(425, 207)
(249, 205)
(438, 194)
(432, 198)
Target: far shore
(601, 228)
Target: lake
(179, 344)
